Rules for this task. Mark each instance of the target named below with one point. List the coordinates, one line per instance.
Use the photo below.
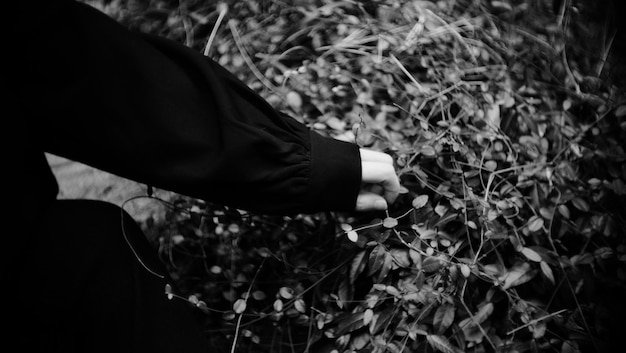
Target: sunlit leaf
(390, 222)
(535, 223)
(465, 270)
(442, 344)
(547, 271)
(286, 292)
(294, 100)
(483, 313)
(278, 305)
(239, 306)
(531, 254)
(420, 201)
(367, 316)
(300, 305)
(352, 236)
(518, 275)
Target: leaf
(441, 210)
(390, 222)
(518, 275)
(353, 236)
(483, 313)
(428, 151)
(349, 322)
(420, 201)
(386, 267)
(239, 306)
(547, 271)
(400, 257)
(168, 291)
(620, 111)
(531, 254)
(441, 344)
(376, 259)
(444, 316)
(278, 305)
(344, 293)
(431, 264)
(471, 332)
(381, 320)
(294, 100)
(367, 316)
(535, 223)
(357, 266)
(580, 204)
(286, 292)
(258, 295)
(300, 305)
(465, 270)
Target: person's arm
(152, 110)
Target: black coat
(83, 87)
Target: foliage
(508, 138)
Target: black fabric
(79, 85)
(87, 290)
(157, 112)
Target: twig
(535, 321)
(238, 326)
(223, 11)
(407, 73)
(247, 59)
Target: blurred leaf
(349, 322)
(580, 204)
(517, 275)
(442, 344)
(483, 313)
(444, 316)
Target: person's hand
(380, 183)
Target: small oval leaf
(531, 254)
(535, 223)
(390, 222)
(239, 306)
(420, 201)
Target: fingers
(368, 201)
(381, 185)
(375, 156)
(382, 174)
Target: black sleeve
(155, 111)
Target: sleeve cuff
(335, 178)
